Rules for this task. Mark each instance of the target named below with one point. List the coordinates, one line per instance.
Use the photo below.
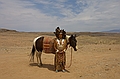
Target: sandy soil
(91, 61)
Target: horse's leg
(40, 53)
(37, 55)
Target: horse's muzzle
(76, 48)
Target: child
(60, 46)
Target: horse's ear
(71, 35)
(64, 31)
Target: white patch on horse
(36, 39)
(77, 47)
(67, 38)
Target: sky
(70, 15)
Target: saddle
(48, 45)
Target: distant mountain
(7, 30)
(113, 31)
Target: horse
(40, 45)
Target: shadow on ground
(48, 66)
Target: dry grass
(98, 57)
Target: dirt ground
(98, 57)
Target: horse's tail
(32, 54)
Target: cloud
(99, 15)
(45, 15)
(19, 15)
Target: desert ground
(98, 57)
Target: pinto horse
(40, 46)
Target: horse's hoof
(39, 65)
(63, 70)
(31, 60)
(56, 71)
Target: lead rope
(70, 59)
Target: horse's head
(73, 42)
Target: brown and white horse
(39, 46)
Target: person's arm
(65, 45)
(55, 46)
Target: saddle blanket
(48, 45)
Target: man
(60, 46)
(57, 31)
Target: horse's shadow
(48, 66)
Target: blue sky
(71, 15)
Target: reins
(70, 59)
